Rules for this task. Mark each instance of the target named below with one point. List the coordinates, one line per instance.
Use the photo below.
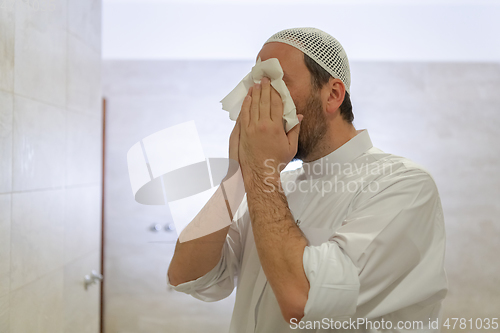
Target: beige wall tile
(83, 149)
(125, 274)
(37, 235)
(387, 81)
(462, 82)
(6, 118)
(166, 312)
(39, 145)
(5, 218)
(472, 248)
(7, 29)
(84, 21)
(81, 306)
(82, 222)
(41, 52)
(38, 306)
(84, 80)
(4, 313)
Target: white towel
(270, 68)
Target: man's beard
(312, 128)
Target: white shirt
(376, 236)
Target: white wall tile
(84, 21)
(38, 306)
(37, 293)
(41, 52)
(5, 218)
(6, 118)
(82, 222)
(81, 310)
(83, 149)
(39, 145)
(84, 78)
(7, 26)
(37, 235)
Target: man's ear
(334, 91)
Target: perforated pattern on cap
(325, 50)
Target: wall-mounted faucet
(92, 278)
(169, 227)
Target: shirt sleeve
(383, 238)
(333, 281)
(219, 282)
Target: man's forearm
(196, 257)
(280, 244)
(199, 247)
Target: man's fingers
(245, 113)
(265, 99)
(254, 109)
(249, 93)
(234, 140)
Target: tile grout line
(12, 163)
(56, 188)
(66, 153)
(59, 107)
(81, 40)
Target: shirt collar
(341, 156)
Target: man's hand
(264, 146)
(264, 150)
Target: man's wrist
(264, 182)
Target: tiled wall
(443, 116)
(50, 165)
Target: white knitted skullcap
(325, 50)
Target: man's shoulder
(373, 164)
(396, 162)
(395, 168)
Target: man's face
(313, 127)
(305, 96)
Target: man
(354, 240)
